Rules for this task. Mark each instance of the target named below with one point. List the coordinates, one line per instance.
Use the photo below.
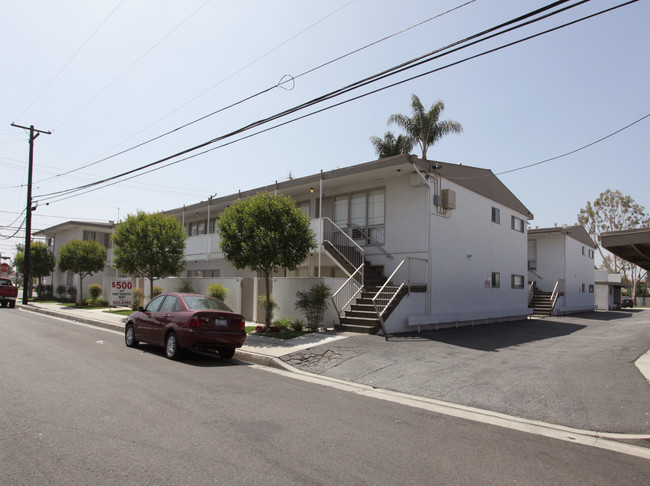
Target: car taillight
(242, 323)
(193, 322)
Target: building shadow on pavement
(492, 337)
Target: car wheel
(129, 337)
(3, 304)
(226, 353)
(12, 304)
(172, 351)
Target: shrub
(185, 287)
(95, 291)
(297, 325)
(157, 291)
(44, 291)
(71, 292)
(217, 290)
(61, 290)
(283, 323)
(138, 296)
(313, 303)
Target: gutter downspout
(320, 217)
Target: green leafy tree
(41, 261)
(263, 233)
(425, 127)
(151, 246)
(613, 211)
(82, 258)
(390, 146)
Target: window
(101, 238)
(591, 254)
(363, 212)
(304, 207)
(496, 280)
(517, 281)
(583, 250)
(591, 289)
(582, 288)
(496, 215)
(517, 224)
(197, 228)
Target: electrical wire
(87, 188)
(280, 84)
(566, 154)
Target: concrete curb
(85, 320)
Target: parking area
(576, 371)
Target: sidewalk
(259, 350)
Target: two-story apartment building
(455, 235)
(561, 265)
(57, 236)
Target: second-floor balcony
(206, 246)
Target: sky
(104, 77)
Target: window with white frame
(496, 280)
(304, 207)
(196, 228)
(102, 238)
(517, 224)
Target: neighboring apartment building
(458, 233)
(57, 236)
(561, 261)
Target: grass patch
(120, 312)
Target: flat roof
(630, 245)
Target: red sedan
(178, 321)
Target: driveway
(576, 371)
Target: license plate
(221, 323)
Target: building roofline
(577, 232)
(52, 229)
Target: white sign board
(121, 292)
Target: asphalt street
(78, 407)
(576, 371)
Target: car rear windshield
(205, 303)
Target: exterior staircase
(542, 303)
(362, 317)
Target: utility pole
(27, 284)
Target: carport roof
(630, 245)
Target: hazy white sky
(106, 76)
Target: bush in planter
(185, 287)
(95, 291)
(313, 303)
(138, 296)
(262, 301)
(218, 291)
(61, 291)
(71, 292)
(297, 325)
(157, 291)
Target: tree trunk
(81, 289)
(267, 317)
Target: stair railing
(346, 294)
(531, 292)
(411, 271)
(371, 239)
(344, 246)
(557, 291)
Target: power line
(89, 187)
(286, 79)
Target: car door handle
(167, 316)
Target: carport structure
(630, 245)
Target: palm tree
(389, 145)
(425, 128)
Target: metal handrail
(557, 291)
(344, 245)
(347, 292)
(531, 292)
(371, 239)
(380, 308)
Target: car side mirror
(140, 309)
